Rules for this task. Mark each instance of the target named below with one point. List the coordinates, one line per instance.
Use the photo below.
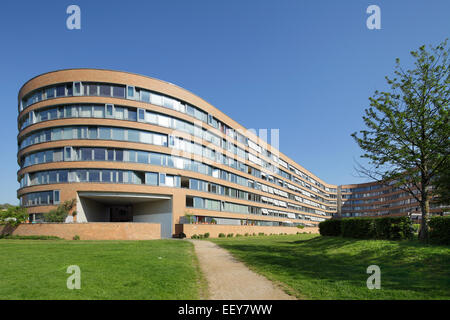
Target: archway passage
(126, 207)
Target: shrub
(359, 228)
(76, 237)
(300, 226)
(254, 234)
(439, 230)
(13, 216)
(246, 234)
(238, 235)
(393, 228)
(206, 235)
(200, 236)
(261, 234)
(60, 213)
(331, 227)
(221, 235)
(230, 235)
(194, 236)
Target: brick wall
(214, 230)
(91, 231)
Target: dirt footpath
(229, 279)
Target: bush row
(231, 235)
(439, 230)
(391, 228)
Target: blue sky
(314, 61)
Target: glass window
(77, 88)
(56, 196)
(132, 115)
(130, 92)
(162, 178)
(50, 93)
(155, 159)
(105, 133)
(106, 176)
(94, 175)
(110, 155)
(145, 96)
(141, 115)
(118, 112)
(142, 157)
(109, 110)
(99, 111)
(133, 135)
(81, 175)
(93, 133)
(62, 176)
(118, 92)
(105, 90)
(69, 89)
(92, 89)
(119, 155)
(151, 178)
(86, 111)
(61, 91)
(99, 154)
(86, 154)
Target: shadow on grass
(405, 265)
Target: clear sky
(306, 68)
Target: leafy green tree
(407, 137)
(60, 213)
(13, 216)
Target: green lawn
(159, 269)
(315, 267)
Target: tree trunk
(425, 207)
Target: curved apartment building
(130, 148)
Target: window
(94, 175)
(145, 96)
(55, 196)
(141, 115)
(162, 178)
(118, 134)
(133, 135)
(77, 89)
(61, 91)
(142, 157)
(107, 175)
(119, 155)
(118, 92)
(132, 115)
(86, 154)
(105, 133)
(130, 92)
(50, 93)
(151, 178)
(99, 111)
(109, 110)
(99, 154)
(105, 90)
(92, 89)
(93, 133)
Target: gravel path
(229, 279)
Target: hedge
(359, 228)
(439, 230)
(330, 227)
(391, 228)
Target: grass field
(159, 269)
(315, 267)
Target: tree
(13, 216)
(407, 137)
(60, 213)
